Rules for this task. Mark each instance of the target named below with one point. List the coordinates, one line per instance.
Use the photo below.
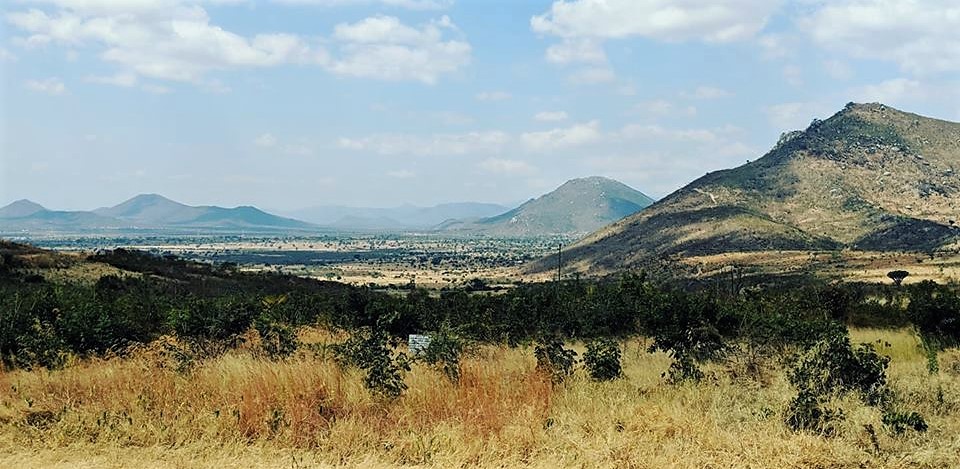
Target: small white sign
(417, 344)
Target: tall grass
(239, 410)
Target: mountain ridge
(870, 177)
(143, 211)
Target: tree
(897, 276)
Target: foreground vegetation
(167, 362)
(239, 410)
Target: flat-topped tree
(897, 276)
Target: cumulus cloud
(921, 37)
(576, 135)
(52, 86)
(551, 116)
(176, 43)
(384, 48)
(704, 20)
(408, 4)
(428, 145)
(176, 40)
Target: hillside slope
(869, 178)
(578, 206)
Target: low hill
(577, 207)
(868, 178)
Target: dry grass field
(241, 411)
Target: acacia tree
(897, 276)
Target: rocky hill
(868, 178)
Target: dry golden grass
(239, 411)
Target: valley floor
(239, 411)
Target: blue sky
(292, 103)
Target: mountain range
(145, 211)
(869, 178)
(577, 207)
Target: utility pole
(559, 260)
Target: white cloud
(576, 135)
(493, 96)
(428, 145)
(593, 76)
(265, 140)
(705, 20)
(408, 4)
(174, 43)
(921, 37)
(707, 92)
(52, 86)
(795, 115)
(895, 92)
(505, 166)
(576, 50)
(175, 40)
(551, 116)
(384, 48)
(401, 174)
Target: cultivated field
(240, 411)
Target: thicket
(215, 308)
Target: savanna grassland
(240, 410)
(159, 362)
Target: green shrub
(899, 422)
(444, 353)
(370, 350)
(554, 360)
(602, 360)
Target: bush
(444, 353)
(602, 360)
(833, 368)
(370, 350)
(899, 422)
(277, 338)
(555, 360)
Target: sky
(286, 104)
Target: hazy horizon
(288, 104)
